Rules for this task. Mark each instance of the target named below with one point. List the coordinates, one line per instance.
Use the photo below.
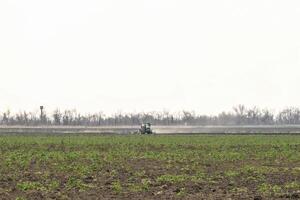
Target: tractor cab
(146, 129)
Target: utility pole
(42, 114)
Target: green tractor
(146, 129)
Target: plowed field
(149, 167)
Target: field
(257, 129)
(78, 166)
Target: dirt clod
(257, 198)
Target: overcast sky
(140, 55)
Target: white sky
(139, 55)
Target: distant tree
(57, 117)
(253, 116)
(289, 116)
(188, 117)
(267, 117)
(240, 116)
(240, 113)
(6, 117)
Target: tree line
(240, 115)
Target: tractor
(146, 129)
